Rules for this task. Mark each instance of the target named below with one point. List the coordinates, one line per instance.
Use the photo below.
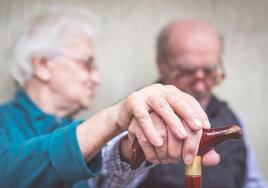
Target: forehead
(78, 43)
(196, 47)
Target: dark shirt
(231, 171)
(39, 149)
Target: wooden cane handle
(210, 139)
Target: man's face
(73, 75)
(195, 66)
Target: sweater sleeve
(51, 160)
(115, 172)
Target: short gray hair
(42, 36)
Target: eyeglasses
(85, 61)
(188, 71)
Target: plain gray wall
(125, 50)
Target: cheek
(66, 83)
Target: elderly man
(189, 57)
(42, 145)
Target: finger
(162, 108)
(191, 113)
(174, 148)
(191, 145)
(162, 151)
(131, 132)
(136, 152)
(147, 147)
(199, 110)
(141, 114)
(211, 158)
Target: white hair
(43, 37)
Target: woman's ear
(41, 68)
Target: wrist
(95, 132)
(122, 115)
(111, 119)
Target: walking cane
(210, 139)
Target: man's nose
(200, 74)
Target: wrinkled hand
(167, 102)
(172, 149)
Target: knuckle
(142, 117)
(151, 98)
(132, 98)
(174, 101)
(160, 104)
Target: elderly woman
(42, 145)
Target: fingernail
(197, 123)
(188, 159)
(158, 142)
(207, 124)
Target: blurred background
(126, 54)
